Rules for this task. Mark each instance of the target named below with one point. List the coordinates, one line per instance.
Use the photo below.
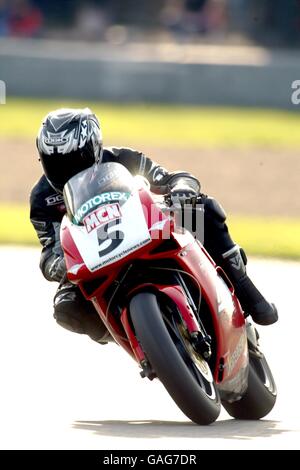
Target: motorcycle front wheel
(181, 369)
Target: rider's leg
(232, 259)
(73, 312)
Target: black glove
(181, 196)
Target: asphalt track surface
(60, 390)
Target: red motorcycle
(161, 296)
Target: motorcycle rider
(69, 141)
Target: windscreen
(100, 184)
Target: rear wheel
(181, 369)
(261, 394)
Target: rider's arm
(160, 179)
(52, 262)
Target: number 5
(116, 237)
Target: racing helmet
(69, 141)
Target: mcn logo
(101, 216)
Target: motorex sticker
(93, 203)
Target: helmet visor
(59, 168)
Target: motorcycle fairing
(228, 321)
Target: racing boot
(253, 303)
(73, 312)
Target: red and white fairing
(144, 227)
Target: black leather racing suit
(47, 209)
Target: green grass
(165, 126)
(258, 236)
(270, 237)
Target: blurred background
(271, 22)
(202, 85)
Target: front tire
(184, 374)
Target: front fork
(201, 341)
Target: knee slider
(69, 321)
(94, 327)
(215, 209)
